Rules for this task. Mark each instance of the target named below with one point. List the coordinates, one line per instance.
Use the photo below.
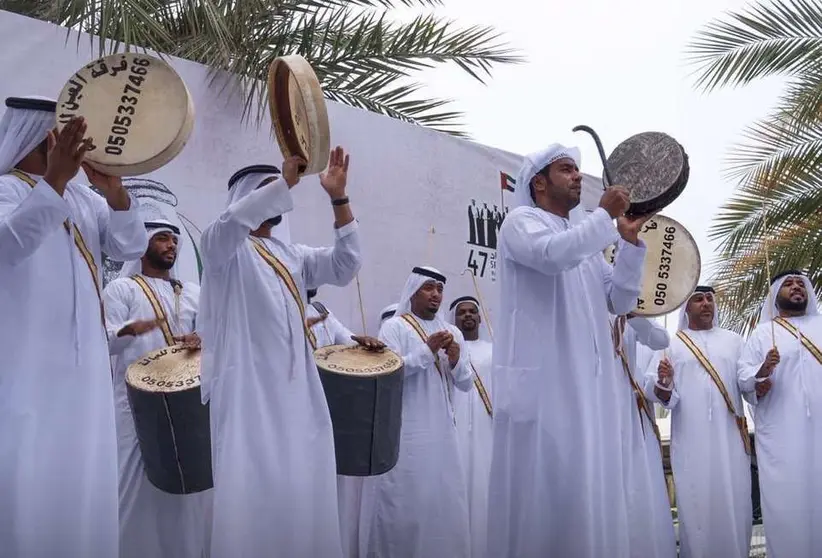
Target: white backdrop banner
(421, 197)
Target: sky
(617, 66)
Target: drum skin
(653, 167)
(672, 266)
(366, 414)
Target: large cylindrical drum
(171, 422)
(364, 393)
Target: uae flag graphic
(507, 182)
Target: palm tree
(777, 209)
(361, 56)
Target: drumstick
(362, 307)
(600, 149)
(768, 300)
(429, 249)
(481, 302)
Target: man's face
(467, 317)
(701, 309)
(563, 183)
(162, 250)
(792, 295)
(428, 297)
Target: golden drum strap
(807, 343)
(415, 325)
(78, 241)
(642, 403)
(483, 393)
(285, 276)
(741, 421)
(159, 312)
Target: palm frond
(782, 37)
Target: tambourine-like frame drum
(171, 422)
(298, 112)
(364, 393)
(653, 167)
(672, 266)
(138, 111)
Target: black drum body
(366, 413)
(175, 439)
(654, 168)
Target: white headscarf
(770, 312)
(683, 315)
(419, 276)
(534, 163)
(245, 181)
(23, 129)
(452, 315)
(390, 309)
(134, 267)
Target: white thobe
(712, 472)
(474, 434)
(331, 331)
(419, 509)
(272, 444)
(152, 522)
(58, 470)
(788, 438)
(649, 508)
(557, 482)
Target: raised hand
(615, 201)
(335, 177)
(771, 360)
(453, 353)
(439, 340)
(66, 151)
(292, 167)
(630, 225)
(665, 372)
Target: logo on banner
(484, 222)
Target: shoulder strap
(78, 241)
(415, 325)
(741, 421)
(483, 393)
(643, 405)
(159, 312)
(285, 276)
(807, 343)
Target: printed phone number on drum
(127, 108)
(663, 269)
(149, 381)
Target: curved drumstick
(603, 158)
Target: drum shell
(366, 414)
(174, 434)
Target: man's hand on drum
(370, 343)
(190, 341)
(140, 327)
(630, 225)
(291, 170)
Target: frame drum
(298, 112)
(672, 266)
(172, 423)
(137, 108)
(364, 393)
(653, 167)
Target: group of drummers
(240, 418)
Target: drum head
(354, 360)
(672, 266)
(166, 370)
(298, 112)
(138, 112)
(653, 167)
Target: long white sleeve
(340, 334)
(529, 242)
(123, 234)
(333, 266)
(462, 373)
(623, 280)
(223, 237)
(117, 300)
(650, 333)
(26, 221)
(750, 361)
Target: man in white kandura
(275, 487)
(419, 509)
(58, 448)
(330, 331)
(649, 508)
(697, 380)
(557, 481)
(781, 373)
(474, 417)
(152, 522)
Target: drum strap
(486, 400)
(285, 276)
(78, 241)
(807, 343)
(642, 403)
(415, 325)
(741, 421)
(159, 312)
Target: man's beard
(157, 261)
(791, 306)
(274, 221)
